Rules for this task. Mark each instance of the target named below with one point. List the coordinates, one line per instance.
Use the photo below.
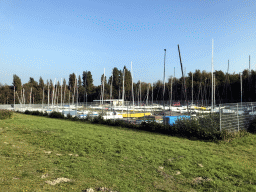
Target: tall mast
(192, 90)
(76, 92)
(185, 92)
(241, 88)
(57, 95)
(249, 65)
(14, 98)
(48, 94)
(43, 99)
(103, 87)
(53, 92)
(174, 81)
(212, 74)
(61, 92)
(73, 99)
(164, 80)
(111, 86)
(171, 93)
(30, 96)
(148, 93)
(21, 95)
(132, 87)
(140, 92)
(123, 90)
(152, 94)
(69, 98)
(64, 95)
(214, 91)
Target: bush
(27, 112)
(57, 115)
(98, 120)
(5, 114)
(35, 113)
(75, 118)
(206, 128)
(69, 116)
(252, 126)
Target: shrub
(69, 116)
(88, 117)
(206, 128)
(5, 114)
(35, 113)
(27, 112)
(98, 119)
(75, 118)
(252, 126)
(57, 115)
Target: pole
(103, 87)
(220, 115)
(53, 92)
(164, 84)
(30, 96)
(63, 97)
(249, 65)
(241, 88)
(21, 96)
(192, 90)
(183, 76)
(111, 87)
(86, 88)
(24, 96)
(69, 98)
(76, 95)
(48, 94)
(61, 93)
(132, 87)
(127, 114)
(123, 90)
(214, 94)
(14, 98)
(152, 94)
(43, 100)
(140, 92)
(171, 94)
(237, 116)
(57, 97)
(212, 75)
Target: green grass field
(35, 151)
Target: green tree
(72, 81)
(17, 83)
(88, 84)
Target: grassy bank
(35, 150)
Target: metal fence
(236, 116)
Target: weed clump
(5, 114)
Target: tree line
(227, 88)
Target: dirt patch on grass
(199, 180)
(58, 180)
(47, 152)
(98, 189)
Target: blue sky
(53, 38)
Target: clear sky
(53, 38)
